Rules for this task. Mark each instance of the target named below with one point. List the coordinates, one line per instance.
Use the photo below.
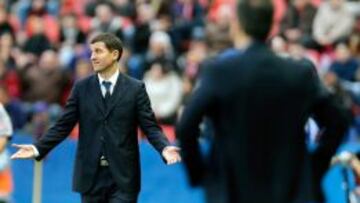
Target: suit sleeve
(147, 121)
(63, 126)
(188, 130)
(333, 121)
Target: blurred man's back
(259, 104)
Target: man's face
(104, 13)
(101, 56)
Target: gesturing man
(109, 107)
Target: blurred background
(44, 50)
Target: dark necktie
(107, 86)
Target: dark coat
(116, 126)
(258, 104)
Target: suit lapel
(98, 97)
(117, 94)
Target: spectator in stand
(163, 20)
(6, 46)
(145, 16)
(279, 46)
(38, 41)
(82, 69)
(72, 40)
(14, 108)
(70, 34)
(188, 17)
(140, 39)
(333, 23)
(125, 8)
(40, 120)
(218, 30)
(345, 65)
(160, 46)
(190, 63)
(342, 95)
(45, 82)
(38, 8)
(10, 79)
(106, 20)
(298, 20)
(164, 87)
(42, 9)
(5, 25)
(296, 50)
(212, 11)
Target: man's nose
(92, 57)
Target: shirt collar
(112, 79)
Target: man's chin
(97, 70)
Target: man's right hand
(25, 151)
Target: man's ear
(115, 54)
(236, 29)
(237, 33)
(234, 26)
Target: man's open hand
(171, 154)
(24, 151)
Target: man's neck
(108, 72)
(242, 42)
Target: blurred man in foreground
(259, 104)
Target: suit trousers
(105, 190)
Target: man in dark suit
(109, 106)
(258, 104)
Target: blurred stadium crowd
(44, 50)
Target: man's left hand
(171, 154)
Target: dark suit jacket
(116, 125)
(259, 104)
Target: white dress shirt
(112, 79)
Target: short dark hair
(256, 17)
(111, 42)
